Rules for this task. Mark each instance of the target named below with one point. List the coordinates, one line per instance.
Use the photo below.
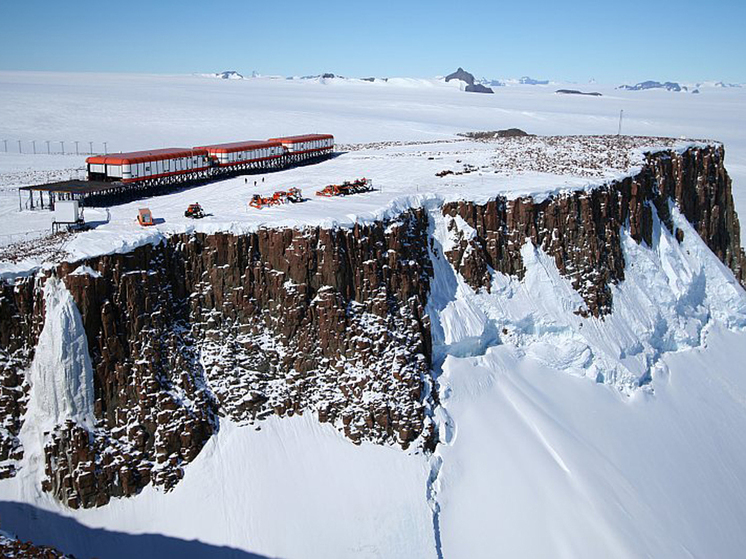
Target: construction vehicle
(293, 195)
(144, 217)
(346, 188)
(194, 211)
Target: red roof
(302, 138)
(240, 146)
(144, 156)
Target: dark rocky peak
(229, 75)
(468, 79)
(462, 75)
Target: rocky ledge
(582, 230)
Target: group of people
(246, 181)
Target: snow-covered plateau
(513, 347)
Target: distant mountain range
(650, 84)
(484, 85)
(675, 86)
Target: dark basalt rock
(478, 88)
(581, 230)
(11, 547)
(281, 321)
(578, 92)
(468, 79)
(462, 75)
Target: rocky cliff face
(330, 322)
(581, 230)
(323, 321)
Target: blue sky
(618, 41)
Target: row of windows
(166, 166)
(313, 144)
(250, 154)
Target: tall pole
(62, 146)
(621, 114)
(49, 151)
(106, 151)
(5, 142)
(76, 148)
(20, 149)
(90, 145)
(33, 146)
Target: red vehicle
(280, 197)
(144, 217)
(346, 188)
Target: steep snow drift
(670, 293)
(295, 488)
(61, 382)
(548, 465)
(539, 458)
(61, 375)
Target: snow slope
(295, 488)
(546, 465)
(541, 457)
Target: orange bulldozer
(346, 188)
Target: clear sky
(610, 41)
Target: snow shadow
(42, 527)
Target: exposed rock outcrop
(468, 79)
(581, 230)
(651, 84)
(11, 547)
(578, 92)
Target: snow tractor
(144, 217)
(280, 197)
(346, 188)
(194, 211)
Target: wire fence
(54, 147)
